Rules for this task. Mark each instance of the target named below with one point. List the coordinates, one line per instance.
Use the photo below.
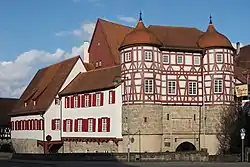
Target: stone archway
(185, 146)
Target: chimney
(237, 48)
(85, 51)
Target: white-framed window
(98, 99)
(67, 125)
(148, 86)
(166, 59)
(196, 60)
(75, 101)
(86, 100)
(192, 88)
(57, 124)
(104, 124)
(171, 87)
(90, 125)
(110, 97)
(218, 85)
(148, 55)
(219, 58)
(80, 124)
(179, 59)
(127, 56)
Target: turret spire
(210, 19)
(140, 18)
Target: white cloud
(15, 75)
(84, 31)
(127, 19)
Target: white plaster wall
(54, 110)
(27, 134)
(113, 111)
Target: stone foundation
(26, 146)
(83, 147)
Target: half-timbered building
(147, 89)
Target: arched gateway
(185, 146)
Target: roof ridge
(101, 69)
(172, 26)
(111, 22)
(60, 62)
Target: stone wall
(26, 146)
(190, 156)
(83, 147)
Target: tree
(230, 122)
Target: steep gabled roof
(43, 88)
(6, 105)
(94, 80)
(243, 60)
(114, 33)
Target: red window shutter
(108, 124)
(65, 102)
(68, 102)
(53, 124)
(83, 101)
(94, 100)
(71, 125)
(101, 103)
(27, 127)
(94, 124)
(72, 102)
(85, 125)
(39, 124)
(64, 125)
(23, 125)
(79, 101)
(15, 125)
(32, 124)
(76, 125)
(99, 124)
(113, 97)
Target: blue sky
(44, 26)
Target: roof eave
(138, 44)
(89, 91)
(181, 48)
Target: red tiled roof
(212, 38)
(44, 87)
(93, 80)
(243, 60)
(6, 105)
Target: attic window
(96, 64)
(25, 104)
(57, 101)
(34, 102)
(100, 63)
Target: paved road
(116, 164)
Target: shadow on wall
(8, 148)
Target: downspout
(61, 124)
(43, 126)
(199, 129)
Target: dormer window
(34, 102)
(100, 63)
(127, 56)
(25, 104)
(148, 55)
(218, 58)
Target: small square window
(166, 59)
(219, 58)
(127, 56)
(179, 59)
(196, 60)
(148, 55)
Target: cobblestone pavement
(115, 164)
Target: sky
(35, 34)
